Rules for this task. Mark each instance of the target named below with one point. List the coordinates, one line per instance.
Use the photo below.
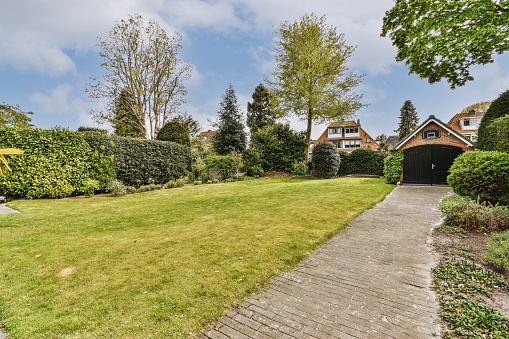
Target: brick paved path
(370, 281)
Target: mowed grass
(163, 263)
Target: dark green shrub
(174, 131)
(92, 130)
(325, 160)
(477, 217)
(252, 163)
(56, 163)
(498, 108)
(279, 147)
(139, 162)
(393, 166)
(223, 164)
(497, 253)
(362, 161)
(500, 129)
(481, 175)
(230, 180)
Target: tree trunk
(308, 136)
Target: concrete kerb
(6, 210)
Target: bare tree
(144, 62)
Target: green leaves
(13, 116)
(442, 39)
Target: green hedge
(56, 163)
(393, 166)
(223, 164)
(362, 161)
(140, 162)
(481, 175)
(500, 130)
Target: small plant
(230, 180)
(209, 182)
(116, 188)
(325, 160)
(449, 229)
(214, 174)
(130, 189)
(497, 254)
(181, 182)
(215, 181)
(452, 203)
(197, 182)
(89, 187)
(478, 217)
(299, 168)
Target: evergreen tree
(124, 120)
(230, 135)
(174, 131)
(408, 120)
(498, 108)
(260, 113)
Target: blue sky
(48, 54)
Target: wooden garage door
(428, 164)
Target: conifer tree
(260, 113)
(498, 109)
(124, 118)
(408, 119)
(230, 135)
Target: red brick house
(467, 123)
(347, 137)
(429, 152)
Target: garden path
(370, 281)
(6, 210)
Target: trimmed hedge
(481, 175)
(141, 162)
(56, 163)
(500, 129)
(393, 166)
(362, 161)
(174, 131)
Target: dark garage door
(428, 164)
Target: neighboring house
(392, 141)
(467, 124)
(429, 152)
(206, 136)
(347, 137)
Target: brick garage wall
(446, 138)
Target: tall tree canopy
(230, 135)
(142, 60)
(408, 119)
(443, 38)
(124, 119)
(311, 79)
(260, 113)
(192, 126)
(13, 116)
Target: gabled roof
(392, 141)
(440, 123)
(454, 123)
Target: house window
(334, 130)
(466, 122)
(352, 130)
(368, 140)
(351, 143)
(431, 134)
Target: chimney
(359, 122)
(471, 113)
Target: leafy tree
(382, 141)
(174, 131)
(442, 39)
(311, 79)
(192, 126)
(408, 120)
(124, 118)
(498, 108)
(478, 106)
(279, 147)
(230, 135)
(144, 62)
(260, 112)
(13, 116)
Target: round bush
(393, 165)
(481, 175)
(174, 131)
(325, 160)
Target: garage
(429, 152)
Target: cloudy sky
(48, 53)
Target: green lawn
(163, 263)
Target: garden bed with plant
(163, 263)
